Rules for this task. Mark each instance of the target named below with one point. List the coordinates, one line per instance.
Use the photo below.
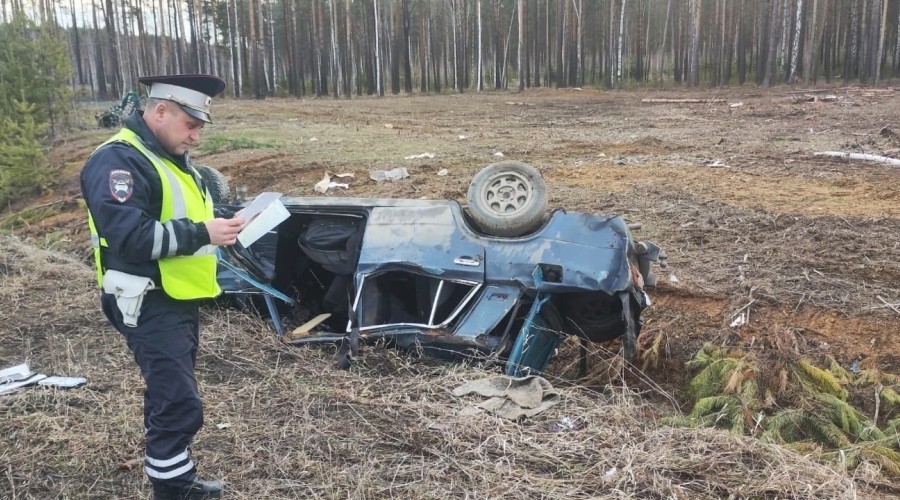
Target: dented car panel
(418, 271)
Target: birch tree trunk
(795, 48)
(237, 71)
(897, 45)
(521, 60)
(350, 52)
(621, 44)
(378, 87)
(579, 43)
(785, 34)
(479, 84)
(611, 81)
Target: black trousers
(164, 344)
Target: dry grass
(387, 428)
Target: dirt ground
(753, 222)
(771, 249)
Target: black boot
(196, 490)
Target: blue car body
(419, 272)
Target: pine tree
(34, 100)
(22, 163)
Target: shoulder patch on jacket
(121, 185)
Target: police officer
(155, 238)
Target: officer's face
(177, 131)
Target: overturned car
(496, 278)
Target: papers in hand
(263, 214)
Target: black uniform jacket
(124, 194)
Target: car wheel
(216, 183)
(535, 344)
(507, 198)
(596, 316)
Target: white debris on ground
(326, 183)
(389, 175)
(419, 156)
(19, 376)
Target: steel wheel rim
(507, 193)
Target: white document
(14, 373)
(263, 214)
(258, 204)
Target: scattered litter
(717, 164)
(11, 387)
(419, 156)
(611, 472)
(442, 172)
(293, 119)
(511, 398)
(739, 320)
(63, 382)
(736, 105)
(498, 153)
(389, 175)
(388, 125)
(14, 373)
(18, 376)
(673, 278)
(463, 137)
(326, 183)
(223, 425)
(565, 424)
(313, 139)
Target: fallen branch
(893, 307)
(861, 156)
(812, 91)
(679, 101)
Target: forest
(370, 47)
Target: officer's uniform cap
(193, 93)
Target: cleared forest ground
(751, 219)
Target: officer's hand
(223, 232)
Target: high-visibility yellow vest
(183, 277)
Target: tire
(216, 183)
(596, 316)
(507, 198)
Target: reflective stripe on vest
(183, 277)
